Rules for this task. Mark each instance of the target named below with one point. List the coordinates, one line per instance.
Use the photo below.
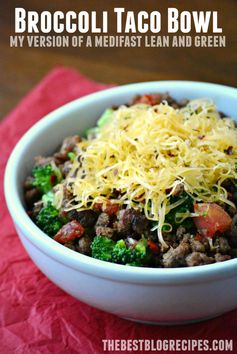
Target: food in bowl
(154, 184)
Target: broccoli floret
(49, 221)
(121, 254)
(102, 248)
(48, 198)
(137, 256)
(45, 177)
(108, 250)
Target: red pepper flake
(201, 137)
(115, 172)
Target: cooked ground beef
(87, 218)
(104, 231)
(198, 258)
(197, 246)
(84, 245)
(221, 258)
(221, 244)
(103, 220)
(176, 257)
(31, 197)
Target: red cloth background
(35, 315)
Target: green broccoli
(45, 177)
(108, 250)
(121, 254)
(137, 256)
(48, 198)
(49, 221)
(102, 248)
(187, 205)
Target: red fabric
(35, 315)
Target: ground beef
(67, 196)
(103, 220)
(221, 245)
(87, 218)
(31, 197)
(84, 245)
(69, 144)
(60, 159)
(197, 246)
(65, 168)
(198, 258)
(70, 246)
(42, 161)
(175, 257)
(28, 183)
(140, 224)
(221, 258)
(180, 232)
(131, 221)
(123, 224)
(104, 231)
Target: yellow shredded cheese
(145, 152)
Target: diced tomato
(69, 232)
(198, 237)
(111, 209)
(149, 99)
(153, 246)
(53, 179)
(212, 218)
(97, 207)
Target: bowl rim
(82, 262)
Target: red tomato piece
(53, 179)
(111, 209)
(149, 99)
(97, 207)
(212, 218)
(69, 232)
(153, 246)
(198, 237)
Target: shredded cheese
(145, 152)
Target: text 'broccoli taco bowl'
(137, 201)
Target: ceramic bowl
(160, 296)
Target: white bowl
(161, 296)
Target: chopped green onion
(105, 117)
(71, 156)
